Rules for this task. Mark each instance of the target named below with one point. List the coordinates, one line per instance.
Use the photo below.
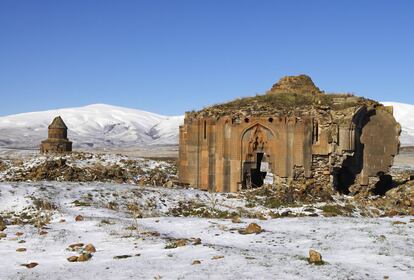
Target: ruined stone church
(293, 132)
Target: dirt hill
(301, 84)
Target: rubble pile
(82, 167)
(296, 193)
(397, 201)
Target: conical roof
(58, 123)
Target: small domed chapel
(57, 141)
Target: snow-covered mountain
(105, 126)
(96, 126)
(404, 114)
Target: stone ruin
(57, 141)
(293, 132)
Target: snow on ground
(354, 248)
(93, 126)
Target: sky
(172, 56)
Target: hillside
(93, 126)
(106, 126)
(404, 114)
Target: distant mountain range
(106, 126)
(93, 126)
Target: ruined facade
(57, 141)
(287, 135)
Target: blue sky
(170, 56)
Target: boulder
(236, 219)
(79, 218)
(176, 243)
(72, 259)
(169, 184)
(90, 248)
(197, 241)
(315, 257)
(30, 265)
(76, 246)
(181, 243)
(251, 228)
(84, 257)
(196, 262)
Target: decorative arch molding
(255, 124)
(257, 143)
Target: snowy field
(154, 232)
(133, 231)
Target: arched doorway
(257, 160)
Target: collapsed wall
(293, 132)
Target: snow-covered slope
(105, 126)
(95, 126)
(404, 114)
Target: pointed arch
(257, 151)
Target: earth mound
(301, 84)
(291, 96)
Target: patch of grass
(107, 222)
(302, 258)
(43, 204)
(133, 207)
(131, 228)
(285, 214)
(270, 198)
(273, 202)
(122, 257)
(331, 210)
(317, 263)
(112, 205)
(250, 204)
(78, 203)
(171, 245)
(196, 209)
(279, 100)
